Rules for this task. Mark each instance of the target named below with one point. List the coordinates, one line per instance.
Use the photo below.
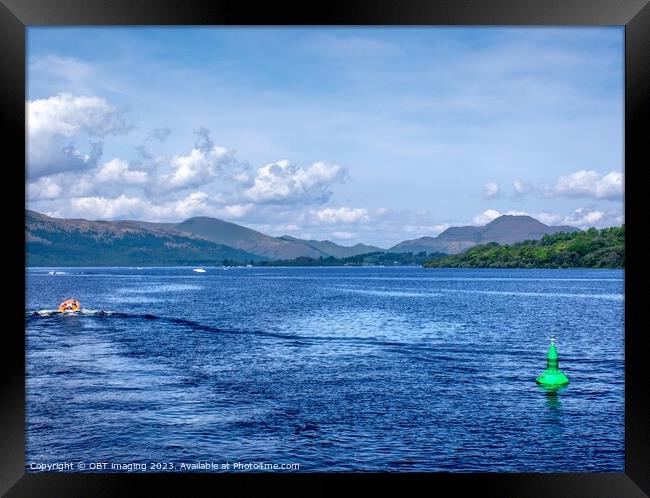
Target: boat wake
(87, 312)
(293, 337)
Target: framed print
(383, 241)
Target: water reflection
(552, 397)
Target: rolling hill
(331, 249)
(75, 242)
(246, 239)
(198, 240)
(506, 229)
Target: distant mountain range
(199, 240)
(204, 241)
(506, 229)
(70, 242)
(332, 249)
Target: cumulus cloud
(550, 218)
(233, 211)
(118, 171)
(66, 115)
(44, 188)
(207, 181)
(107, 180)
(283, 182)
(491, 214)
(65, 150)
(590, 183)
(491, 190)
(200, 166)
(341, 215)
(54, 124)
(124, 206)
(582, 217)
(106, 208)
(206, 165)
(486, 217)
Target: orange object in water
(69, 305)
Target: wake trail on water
(87, 312)
(35, 316)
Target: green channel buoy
(552, 376)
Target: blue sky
(371, 135)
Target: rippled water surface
(390, 369)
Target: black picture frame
(17, 15)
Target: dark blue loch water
(336, 369)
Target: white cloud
(343, 235)
(491, 214)
(590, 183)
(118, 171)
(194, 204)
(200, 166)
(54, 123)
(491, 190)
(233, 211)
(242, 177)
(44, 188)
(486, 217)
(218, 184)
(583, 217)
(66, 115)
(77, 186)
(550, 218)
(123, 206)
(106, 208)
(283, 182)
(341, 215)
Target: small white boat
(199, 270)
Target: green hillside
(54, 242)
(592, 248)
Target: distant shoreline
(336, 266)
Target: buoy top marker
(552, 376)
(552, 359)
